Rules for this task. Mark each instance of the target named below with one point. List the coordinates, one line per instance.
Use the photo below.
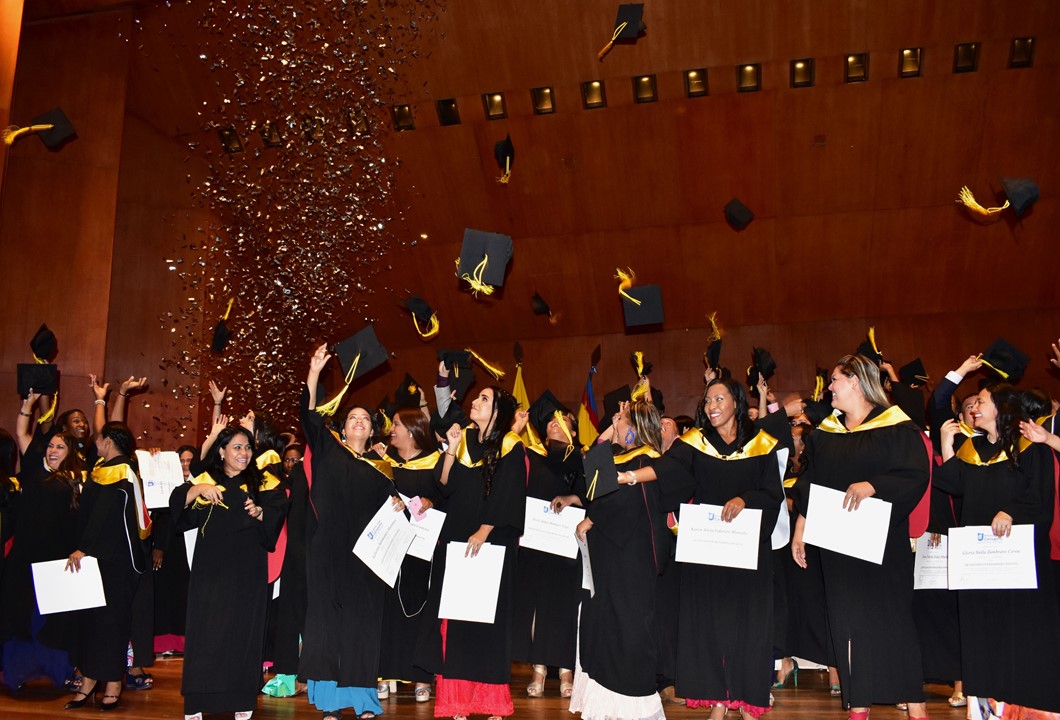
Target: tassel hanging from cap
(872, 340)
(475, 278)
(13, 132)
(562, 420)
(979, 213)
(998, 370)
(332, 405)
(228, 311)
(388, 424)
(610, 43)
(503, 179)
(50, 412)
(715, 331)
(626, 279)
(818, 388)
(493, 370)
(642, 391)
(638, 359)
(432, 327)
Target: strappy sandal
(835, 691)
(143, 681)
(566, 683)
(423, 693)
(332, 715)
(958, 700)
(536, 688)
(382, 689)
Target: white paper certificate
(160, 473)
(60, 591)
(929, 567)
(587, 567)
(551, 532)
(384, 541)
(471, 584)
(427, 531)
(861, 534)
(980, 561)
(706, 539)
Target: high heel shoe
(105, 706)
(566, 682)
(86, 697)
(536, 688)
(793, 674)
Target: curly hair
(70, 469)
(501, 416)
(745, 429)
(1010, 411)
(252, 477)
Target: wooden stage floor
(163, 702)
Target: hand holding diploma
(73, 563)
(855, 494)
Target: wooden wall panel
(10, 31)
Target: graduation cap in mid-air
(483, 260)
(869, 348)
(504, 152)
(629, 26)
(738, 215)
(358, 355)
(44, 345)
(424, 318)
(1020, 195)
(1006, 360)
(641, 305)
(53, 128)
(221, 333)
(540, 307)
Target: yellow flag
(519, 391)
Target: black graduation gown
(617, 635)
(226, 595)
(291, 605)
(870, 615)
(548, 587)
(108, 531)
(344, 614)
(478, 652)
(725, 626)
(1010, 639)
(404, 606)
(171, 580)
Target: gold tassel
(979, 213)
(496, 371)
(999, 371)
(558, 415)
(331, 406)
(626, 278)
(591, 492)
(872, 340)
(715, 331)
(432, 327)
(229, 310)
(14, 132)
(641, 391)
(475, 278)
(503, 179)
(611, 42)
(387, 424)
(50, 413)
(638, 357)
(818, 388)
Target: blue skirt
(326, 695)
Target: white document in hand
(160, 474)
(587, 567)
(384, 541)
(60, 591)
(706, 539)
(548, 531)
(427, 531)
(980, 561)
(861, 533)
(929, 567)
(471, 585)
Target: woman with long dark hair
(1005, 481)
(112, 522)
(44, 528)
(869, 449)
(483, 477)
(725, 639)
(238, 518)
(343, 622)
(413, 456)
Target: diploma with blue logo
(548, 531)
(860, 533)
(384, 541)
(980, 561)
(704, 538)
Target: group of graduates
(273, 576)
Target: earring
(343, 436)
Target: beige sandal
(566, 682)
(536, 688)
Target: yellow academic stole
(110, 474)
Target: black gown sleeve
(506, 503)
(674, 473)
(1033, 502)
(769, 491)
(905, 478)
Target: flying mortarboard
(53, 128)
(629, 25)
(504, 152)
(913, 373)
(1021, 194)
(422, 314)
(869, 348)
(1006, 360)
(44, 345)
(540, 307)
(601, 476)
(407, 394)
(221, 333)
(738, 215)
(461, 378)
(641, 305)
(483, 260)
(358, 354)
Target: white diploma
(980, 561)
(60, 591)
(781, 534)
(706, 539)
(384, 541)
(160, 473)
(548, 531)
(860, 533)
(587, 568)
(427, 531)
(189, 544)
(929, 567)
(471, 584)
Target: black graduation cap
(61, 132)
(629, 26)
(611, 402)
(913, 373)
(540, 307)
(221, 333)
(650, 309)
(738, 215)
(44, 345)
(818, 410)
(384, 415)
(1006, 360)
(424, 319)
(713, 355)
(1021, 194)
(762, 363)
(454, 359)
(407, 394)
(543, 410)
(484, 258)
(42, 379)
(360, 353)
(504, 152)
(640, 366)
(461, 377)
(601, 476)
(868, 347)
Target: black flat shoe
(82, 698)
(106, 706)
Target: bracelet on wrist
(452, 455)
(123, 394)
(25, 414)
(101, 402)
